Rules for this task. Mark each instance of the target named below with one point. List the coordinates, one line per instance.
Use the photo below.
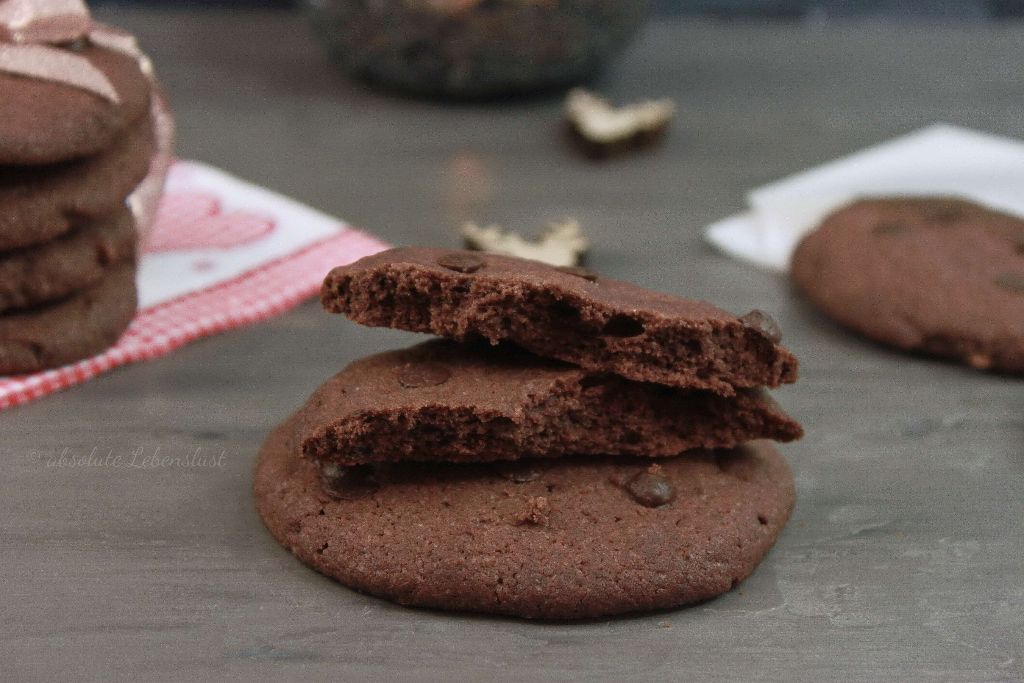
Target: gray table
(903, 557)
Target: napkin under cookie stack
(85, 139)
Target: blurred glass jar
(475, 48)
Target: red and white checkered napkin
(223, 253)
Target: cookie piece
(552, 539)
(44, 122)
(76, 328)
(571, 314)
(442, 400)
(939, 276)
(76, 261)
(40, 203)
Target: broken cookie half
(569, 314)
(603, 129)
(473, 402)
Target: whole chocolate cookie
(43, 122)
(552, 539)
(75, 328)
(53, 270)
(442, 400)
(939, 276)
(572, 315)
(39, 203)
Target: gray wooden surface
(903, 558)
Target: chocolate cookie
(40, 203)
(76, 328)
(43, 122)
(447, 401)
(943, 277)
(570, 314)
(553, 539)
(56, 269)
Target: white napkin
(937, 160)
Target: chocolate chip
(579, 271)
(1012, 282)
(517, 472)
(1019, 243)
(891, 228)
(461, 263)
(651, 490)
(763, 324)
(416, 375)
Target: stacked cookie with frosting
(576, 447)
(84, 147)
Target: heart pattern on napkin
(194, 220)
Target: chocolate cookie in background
(41, 203)
(75, 261)
(81, 325)
(937, 276)
(80, 112)
(85, 145)
(464, 475)
(569, 314)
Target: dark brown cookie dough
(75, 261)
(599, 324)
(442, 400)
(43, 122)
(552, 539)
(939, 276)
(76, 328)
(40, 203)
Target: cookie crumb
(537, 512)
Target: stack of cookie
(84, 146)
(577, 447)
